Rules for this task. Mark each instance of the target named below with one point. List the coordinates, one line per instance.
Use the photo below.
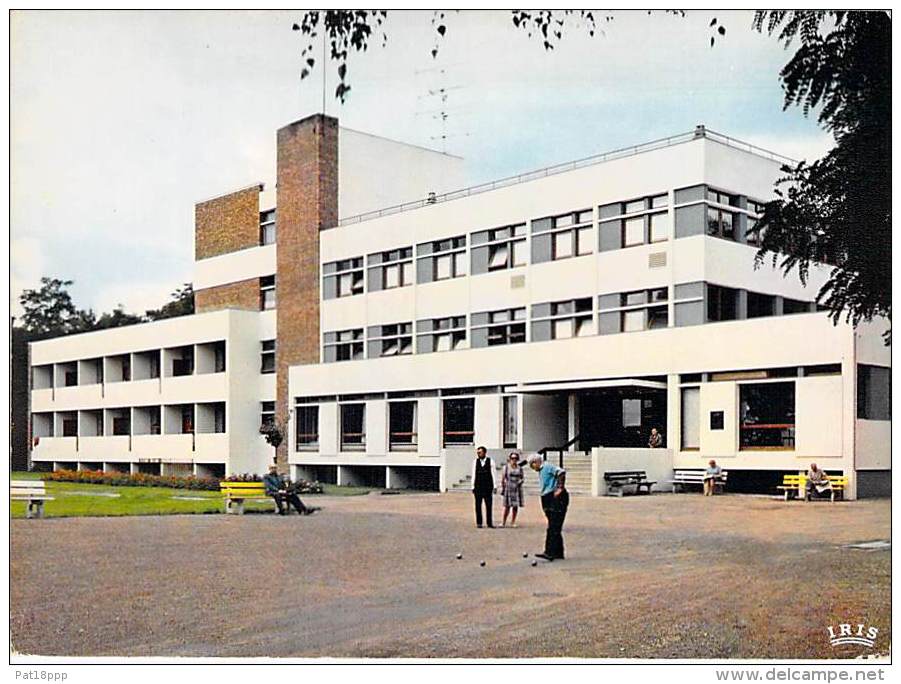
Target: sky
(122, 121)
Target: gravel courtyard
(661, 576)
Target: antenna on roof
(435, 101)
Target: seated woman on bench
(816, 479)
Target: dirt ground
(661, 576)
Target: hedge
(172, 481)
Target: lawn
(73, 499)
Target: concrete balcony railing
(211, 447)
(163, 447)
(55, 449)
(110, 448)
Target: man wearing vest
(483, 485)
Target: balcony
(211, 448)
(163, 447)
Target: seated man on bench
(816, 480)
(712, 475)
(277, 488)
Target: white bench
(695, 477)
(32, 491)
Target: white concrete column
(673, 434)
(572, 416)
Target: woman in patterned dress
(511, 488)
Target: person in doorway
(483, 485)
(277, 487)
(711, 476)
(511, 488)
(655, 440)
(817, 480)
(554, 502)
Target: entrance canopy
(555, 387)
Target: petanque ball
(459, 556)
(482, 563)
(525, 555)
(534, 563)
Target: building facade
(571, 310)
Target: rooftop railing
(632, 150)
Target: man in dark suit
(483, 485)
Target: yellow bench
(796, 485)
(236, 493)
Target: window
(631, 413)
(767, 416)
(459, 417)
(561, 237)
(187, 419)
(390, 340)
(760, 305)
(633, 231)
(720, 197)
(642, 222)
(267, 293)
(344, 345)
(219, 357)
(691, 418)
(720, 223)
(491, 328)
(659, 227)
(722, 303)
(267, 227)
(441, 334)
(402, 425)
(155, 420)
(562, 320)
(153, 365)
(70, 427)
(307, 437)
(342, 278)
(390, 269)
(219, 417)
(121, 423)
(70, 379)
(498, 249)
(511, 421)
(793, 306)
(441, 259)
(267, 356)
(874, 392)
(184, 363)
(267, 413)
(633, 311)
(353, 430)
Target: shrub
(173, 481)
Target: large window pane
(659, 227)
(874, 392)
(563, 245)
(353, 431)
(459, 420)
(633, 231)
(767, 415)
(511, 422)
(402, 424)
(691, 418)
(633, 320)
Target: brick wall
(307, 202)
(244, 294)
(228, 223)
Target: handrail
(560, 449)
(619, 153)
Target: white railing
(632, 150)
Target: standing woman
(511, 488)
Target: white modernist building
(566, 311)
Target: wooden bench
(796, 485)
(696, 477)
(236, 493)
(618, 480)
(32, 491)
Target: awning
(551, 387)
